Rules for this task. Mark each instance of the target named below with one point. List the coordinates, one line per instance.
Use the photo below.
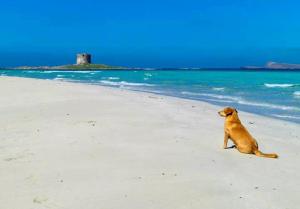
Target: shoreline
(244, 69)
(271, 116)
(75, 145)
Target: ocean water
(265, 92)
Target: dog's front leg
(226, 137)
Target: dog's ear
(228, 111)
(235, 110)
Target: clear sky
(154, 33)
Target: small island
(83, 62)
(275, 66)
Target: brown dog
(241, 138)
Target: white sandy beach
(75, 146)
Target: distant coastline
(268, 66)
(275, 66)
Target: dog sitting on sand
(241, 138)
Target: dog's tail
(260, 154)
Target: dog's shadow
(231, 147)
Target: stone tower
(83, 59)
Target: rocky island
(83, 62)
(70, 67)
(275, 66)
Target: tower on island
(84, 59)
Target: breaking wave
(239, 100)
(216, 96)
(286, 116)
(59, 79)
(297, 94)
(66, 71)
(148, 74)
(282, 85)
(113, 78)
(218, 88)
(124, 83)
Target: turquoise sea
(271, 93)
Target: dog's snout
(221, 113)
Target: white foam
(43, 71)
(82, 71)
(286, 116)
(218, 88)
(124, 83)
(242, 101)
(68, 71)
(148, 74)
(32, 71)
(111, 83)
(297, 94)
(267, 105)
(59, 79)
(135, 84)
(113, 78)
(277, 85)
(65, 79)
(217, 96)
(216, 100)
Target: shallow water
(266, 92)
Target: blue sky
(156, 33)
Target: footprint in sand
(31, 179)
(40, 200)
(13, 158)
(18, 157)
(45, 202)
(92, 122)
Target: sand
(67, 145)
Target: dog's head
(227, 111)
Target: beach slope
(67, 145)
